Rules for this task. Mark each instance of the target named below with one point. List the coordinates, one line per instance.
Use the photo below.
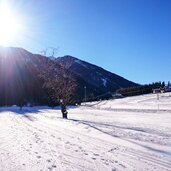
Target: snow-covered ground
(130, 134)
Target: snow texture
(104, 81)
(130, 134)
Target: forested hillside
(27, 78)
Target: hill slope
(94, 75)
(31, 78)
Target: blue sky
(131, 38)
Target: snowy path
(37, 139)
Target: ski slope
(129, 134)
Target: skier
(63, 109)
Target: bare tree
(53, 51)
(59, 83)
(50, 51)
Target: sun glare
(9, 26)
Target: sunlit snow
(129, 134)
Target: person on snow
(63, 109)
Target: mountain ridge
(94, 74)
(34, 78)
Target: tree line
(142, 89)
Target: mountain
(95, 76)
(36, 79)
(29, 78)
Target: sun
(9, 25)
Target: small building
(156, 90)
(167, 88)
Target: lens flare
(9, 25)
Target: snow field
(127, 134)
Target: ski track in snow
(96, 138)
